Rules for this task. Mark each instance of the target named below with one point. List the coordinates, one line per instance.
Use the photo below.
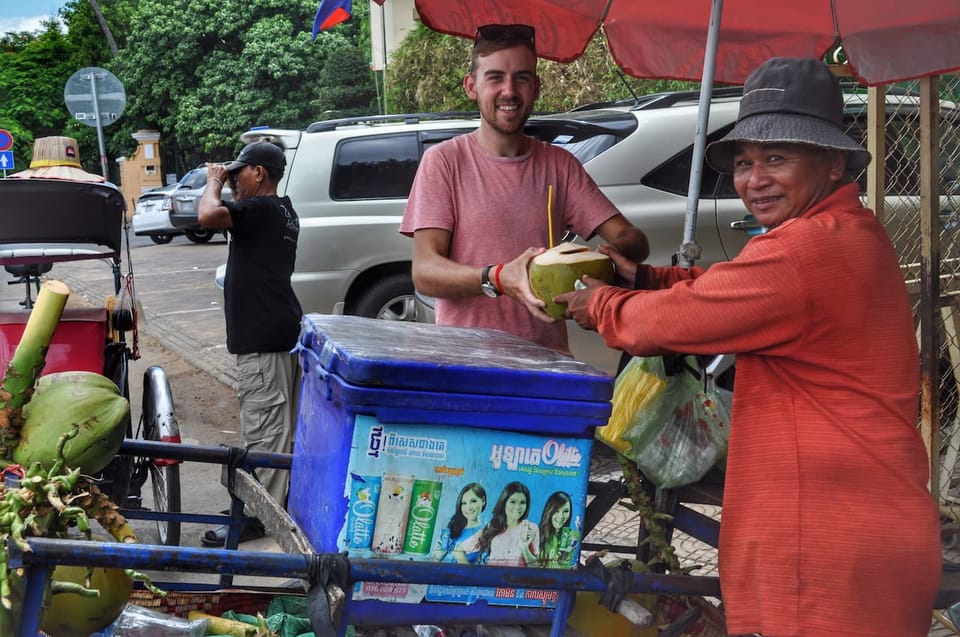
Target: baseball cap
(265, 154)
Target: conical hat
(56, 158)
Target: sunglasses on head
(499, 32)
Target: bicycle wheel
(160, 425)
(165, 481)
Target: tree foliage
(206, 70)
(203, 71)
(34, 71)
(426, 74)
(199, 71)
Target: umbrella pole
(690, 249)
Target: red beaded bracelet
(496, 277)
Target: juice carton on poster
(468, 495)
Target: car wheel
(161, 239)
(390, 298)
(199, 236)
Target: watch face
(486, 285)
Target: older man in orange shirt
(828, 528)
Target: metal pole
(689, 250)
(96, 114)
(930, 277)
(383, 72)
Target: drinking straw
(550, 213)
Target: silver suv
(349, 180)
(183, 214)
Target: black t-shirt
(262, 312)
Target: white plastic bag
(683, 432)
(137, 621)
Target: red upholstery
(78, 343)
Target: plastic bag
(635, 388)
(137, 621)
(682, 432)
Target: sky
(25, 15)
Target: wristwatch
(486, 285)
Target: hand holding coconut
(513, 281)
(554, 275)
(624, 266)
(578, 301)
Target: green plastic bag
(683, 432)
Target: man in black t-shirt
(261, 310)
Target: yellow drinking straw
(550, 213)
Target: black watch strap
(486, 285)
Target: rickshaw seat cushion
(78, 342)
(28, 269)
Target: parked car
(151, 215)
(183, 215)
(349, 180)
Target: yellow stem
(550, 213)
(27, 362)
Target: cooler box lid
(427, 357)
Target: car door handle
(745, 224)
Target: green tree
(426, 74)
(203, 71)
(33, 69)
(87, 25)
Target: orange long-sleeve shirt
(827, 528)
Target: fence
(902, 218)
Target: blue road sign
(6, 140)
(6, 160)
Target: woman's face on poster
(515, 507)
(471, 505)
(561, 516)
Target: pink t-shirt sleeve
(431, 203)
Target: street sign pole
(95, 97)
(96, 110)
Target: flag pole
(383, 50)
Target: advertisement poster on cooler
(467, 495)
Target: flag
(330, 13)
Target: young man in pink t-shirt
(478, 208)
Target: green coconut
(88, 400)
(557, 271)
(78, 377)
(76, 615)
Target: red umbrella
(884, 40)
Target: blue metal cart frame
(318, 570)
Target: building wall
(142, 170)
(389, 24)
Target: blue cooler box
(423, 442)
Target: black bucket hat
(789, 100)
(265, 154)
